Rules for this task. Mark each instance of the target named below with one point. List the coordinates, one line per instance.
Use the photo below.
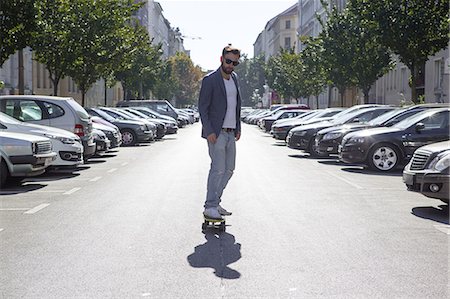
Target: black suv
(428, 172)
(384, 148)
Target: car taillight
(79, 130)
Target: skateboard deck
(213, 224)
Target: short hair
(230, 49)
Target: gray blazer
(212, 103)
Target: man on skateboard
(220, 112)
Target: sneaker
(212, 213)
(223, 212)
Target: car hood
(317, 126)
(374, 131)
(102, 127)
(128, 122)
(344, 128)
(41, 130)
(437, 147)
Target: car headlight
(441, 161)
(300, 133)
(143, 127)
(64, 140)
(356, 140)
(330, 136)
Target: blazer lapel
(220, 82)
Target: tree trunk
(21, 73)
(366, 95)
(83, 94)
(342, 92)
(106, 94)
(414, 70)
(317, 101)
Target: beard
(227, 70)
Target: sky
(209, 25)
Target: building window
(287, 42)
(288, 24)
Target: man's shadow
(219, 250)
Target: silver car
(23, 155)
(59, 112)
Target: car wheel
(128, 137)
(383, 157)
(3, 173)
(312, 150)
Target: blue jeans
(223, 159)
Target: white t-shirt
(230, 116)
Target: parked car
(304, 137)
(23, 155)
(133, 132)
(329, 139)
(112, 133)
(122, 114)
(59, 112)
(160, 106)
(102, 143)
(428, 172)
(170, 122)
(161, 129)
(265, 123)
(383, 149)
(66, 144)
(280, 128)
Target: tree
(50, 41)
(17, 22)
(413, 29)
(284, 74)
(97, 39)
(139, 68)
(338, 51)
(186, 77)
(251, 79)
(314, 76)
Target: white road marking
(112, 170)
(443, 228)
(14, 209)
(345, 180)
(124, 164)
(73, 190)
(37, 208)
(1, 229)
(95, 179)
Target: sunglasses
(229, 61)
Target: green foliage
(284, 74)
(17, 22)
(139, 68)
(179, 79)
(413, 29)
(251, 79)
(314, 76)
(97, 39)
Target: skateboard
(213, 224)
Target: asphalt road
(128, 225)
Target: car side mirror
(420, 127)
(356, 120)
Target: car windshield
(407, 122)
(104, 115)
(346, 117)
(6, 119)
(385, 117)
